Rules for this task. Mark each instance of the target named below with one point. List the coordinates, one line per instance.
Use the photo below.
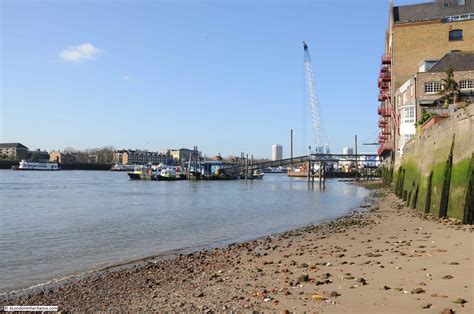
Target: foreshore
(383, 258)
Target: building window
(455, 34)
(408, 114)
(432, 87)
(469, 84)
(461, 2)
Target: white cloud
(79, 53)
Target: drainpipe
(416, 104)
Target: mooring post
(324, 173)
(246, 166)
(251, 163)
(357, 160)
(309, 168)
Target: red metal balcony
(382, 123)
(385, 76)
(383, 111)
(386, 59)
(386, 131)
(384, 86)
(384, 149)
(384, 68)
(383, 96)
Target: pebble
(317, 297)
(303, 278)
(459, 301)
(334, 294)
(386, 288)
(447, 311)
(448, 277)
(418, 290)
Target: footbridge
(366, 160)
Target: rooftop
(10, 145)
(459, 60)
(433, 10)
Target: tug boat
(41, 166)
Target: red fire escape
(387, 112)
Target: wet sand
(386, 258)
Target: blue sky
(224, 75)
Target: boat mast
(313, 97)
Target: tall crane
(313, 97)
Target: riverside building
(13, 151)
(418, 34)
(421, 93)
(140, 157)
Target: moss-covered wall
(436, 172)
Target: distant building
(347, 151)
(140, 157)
(13, 151)
(418, 35)
(181, 155)
(38, 155)
(277, 152)
(62, 158)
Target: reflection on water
(57, 223)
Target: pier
(372, 163)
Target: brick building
(62, 158)
(421, 93)
(140, 157)
(417, 34)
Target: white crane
(313, 97)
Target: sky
(226, 76)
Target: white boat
(258, 174)
(120, 167)
(30, 165)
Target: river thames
(55, 224)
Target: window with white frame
(466, 84)
(408, 114)
(433, 87)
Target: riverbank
(388, 258)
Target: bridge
(370, 161)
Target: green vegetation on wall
(458, 194)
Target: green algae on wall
(436, 173)
(460, 184)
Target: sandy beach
(385, 258)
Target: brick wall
(415, 42)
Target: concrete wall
(437, 170)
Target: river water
(53, 224)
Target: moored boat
(168, 174)
(120, 167)
(142, 173)
(41, 166)
(257, 174)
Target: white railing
(455, 18)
